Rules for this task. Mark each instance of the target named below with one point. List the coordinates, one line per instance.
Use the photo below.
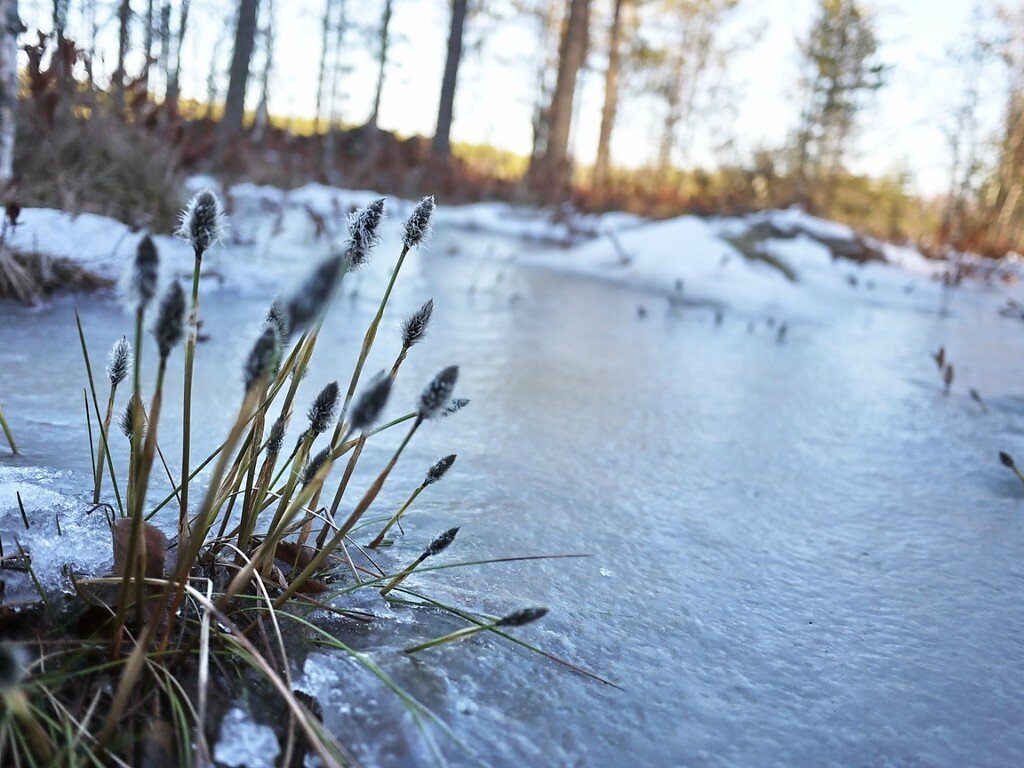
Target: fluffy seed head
(417, 227)
(438, 392)
(140, 284)
(415, 326)
(202, 223)
(438, 471)
(127, 419)
(370, 404)
(120, 362)
(276, 438)
(277, 316)
(261, 358)
(440, 544)
(314, 466)
(362, 232)
(170, 320)
(456, 405)
(521, 617)
(12, 666)
(1006, 459)
(322, 411)
(310, 300)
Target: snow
(275, 234)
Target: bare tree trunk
(245, 41)
(174, 82)
(554, 164)
(262, 121)
(321, 79)
(385, 43)
(147, 42)
(10, 28)
(124, 16)
(547, 18)
(611, 97)
(442, 144)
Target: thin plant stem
(396, 517)
(186, 423)
(8, 433)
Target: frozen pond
(804, 554)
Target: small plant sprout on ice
(1007, 461)
(216, 576)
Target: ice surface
(244, 743)
(804, 554)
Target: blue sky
(496, 89)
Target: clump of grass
(145, 649)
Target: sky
(902, 127)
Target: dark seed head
(1007, 460)
(521, 617)
(127, 420)
(170, 320)
(417, 227)
(12, 666)
(120, 362)
(141, 286)
(322, 411)
(362, 232)
(276, 438)
(437, 471)
(314, 466)
(456, 405)
(438, 393)
(440, 544)
(202, 223)
(261, 357)
(370, 404)
(415, 326)
(277, 316)
(310, 300)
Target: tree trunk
(124, 16)
(147, 41)
(445, 110)
(611, 98)
(10, 28)
(553, 172)
(262, 120)
(385, 42)
(321, 79)
(245, 41)
(174, 84)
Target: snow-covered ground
(277, 232)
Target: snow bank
(276, 234)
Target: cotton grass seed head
(521, 617)
(203, 223)
(438, 393)
(1006, 459)
(370, 404)
(276, 438)
(456, 405)
(170, 320)
(322, 411)
(309, 301)
(416, 229)
(441, 543)
(141, 279)
(120, 362)
(362, 232)
(438, 471)
(262, 357)
(127, 419)
(415, 326)
(277, 316)
(314, 466)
